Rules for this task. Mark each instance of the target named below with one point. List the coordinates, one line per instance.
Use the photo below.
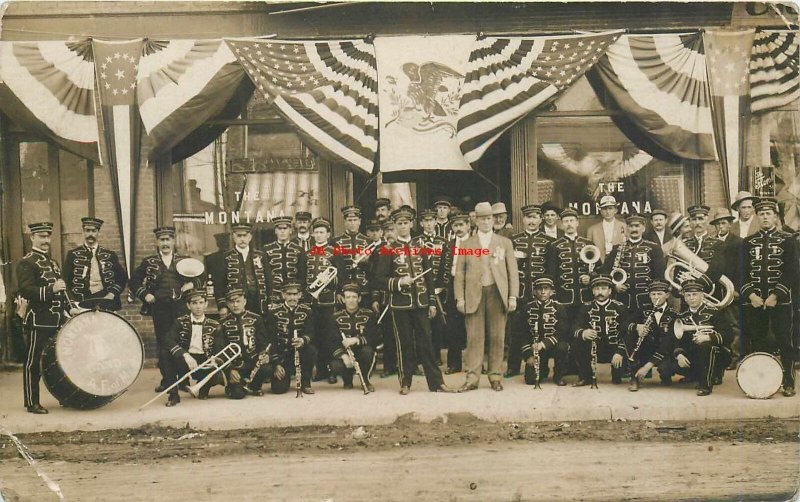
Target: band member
(321, 296)
(747, 224)
(647, 332)
(158, 285)
(728, 262)
(443, 211)
(544, 325)
(389, 231)
(400, 271)
(246, 269)
(699, 354)
(302, 226)
(286, 258)
(380, 299)
(770, 275)
(486, 291)
(603, 320)
(550, 215)
(191, 342)
(609, 232)
(641, 260)
(292, 327)
(433, 244)
(93, 273)
(572, 280)
(535, 257)
(681, 229)
(41, 284)
(703, 244)
(349, 244)
(501, 226)
(658, 231)
(215, 262)
(383, 207)
(455, 329)
(361, 333)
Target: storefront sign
(270, 164)
(763, 181)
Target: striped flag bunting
(328, 90)
(48, 87)
(116, 65)
(774, 79)
(508, 78)
(727, 59)
(660, 82)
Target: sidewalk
(331, 405)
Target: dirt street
(460, 460)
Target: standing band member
(292, 327)
(246, 269)
(380, 298)
(572, 280)
(431, 242)
(286, 257)
(93, 273)
(486, 291)
(192, 343)
(770, 275)
(302, 225)
(360, 334)
(383, 208)
(455, 329)
(349, 244)
(158, 285)
(443, 209)
(647, 332)
(728, 262)
(412, 304)
(41, 284)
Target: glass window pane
(35, 181)
(784, 154)
(74, 185)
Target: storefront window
(783, 127)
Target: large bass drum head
(760, 375)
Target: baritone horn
(680, 328)
(619, 276)
(686, 262)
(590, 255)
(225, 357)
(322, 280)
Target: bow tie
(196, 323)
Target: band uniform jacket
(445, 230)
(502, 264)
(350, 244)
(376, 289)
(535, 257)
(304, 244)
(360, 324)
(164, 283)
(643, 261)
(655, 337)
(545, 322)
(77, 274)
(401, 259)
(722, 335)
(567, 280)
(595, 234)
(728, 260)
(446, 277)
(320, 258)
(286, 263)
(179, 337)
(770, 265)
(609, 319)
(248, 331)
(236, 276)
(437, 245)
(36, 274)
(706, 247)
(282, 322)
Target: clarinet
(536, 361)
(648, 325)
(356, 366)
(594, 358)
(297, 369)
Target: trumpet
(680, 328)
(590, 255)
(322, 280)
(686, 262)
(365, 253)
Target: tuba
(322, 280)
(688, 262)
(590, 255)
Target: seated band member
(192, 342)
(646, 333)
(699, 354)
(543, 324)
(361, 333)
(603, 320)
(247, 330)
(285, 320)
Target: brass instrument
(365, 253)
(618, 275)
(680, 328)
(686, 262)
(536, 361)
(590, 255)
(297, 369)
(322, 280)
(356, 366)
(594, 356)
(227, 355)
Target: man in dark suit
(215, 262)
(550, 214)
(658, 231)
(93, 273)
(728, 262)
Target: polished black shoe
(370, 387)
(581, 383)
(348, 385)
(404, 390)
(561, 382)
(634, 386)
(173, 400)
(37, 409)
(717, 380)
(445, 388)
(496, 386)
(733, 365)
(160, 388)
(307, 390)
(703, 391)
(332, 379)
(789, 391)
(467, 387)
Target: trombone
(322, 280)
(226, 355)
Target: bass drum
(760, 375)
(92, 360)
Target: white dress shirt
(608, 234)
(245, 252)
(196, 343)
(485, 238)
(744, 227)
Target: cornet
(696, 267)
(680, 328)
(322, 280)
(590, 255)
(366, 253)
